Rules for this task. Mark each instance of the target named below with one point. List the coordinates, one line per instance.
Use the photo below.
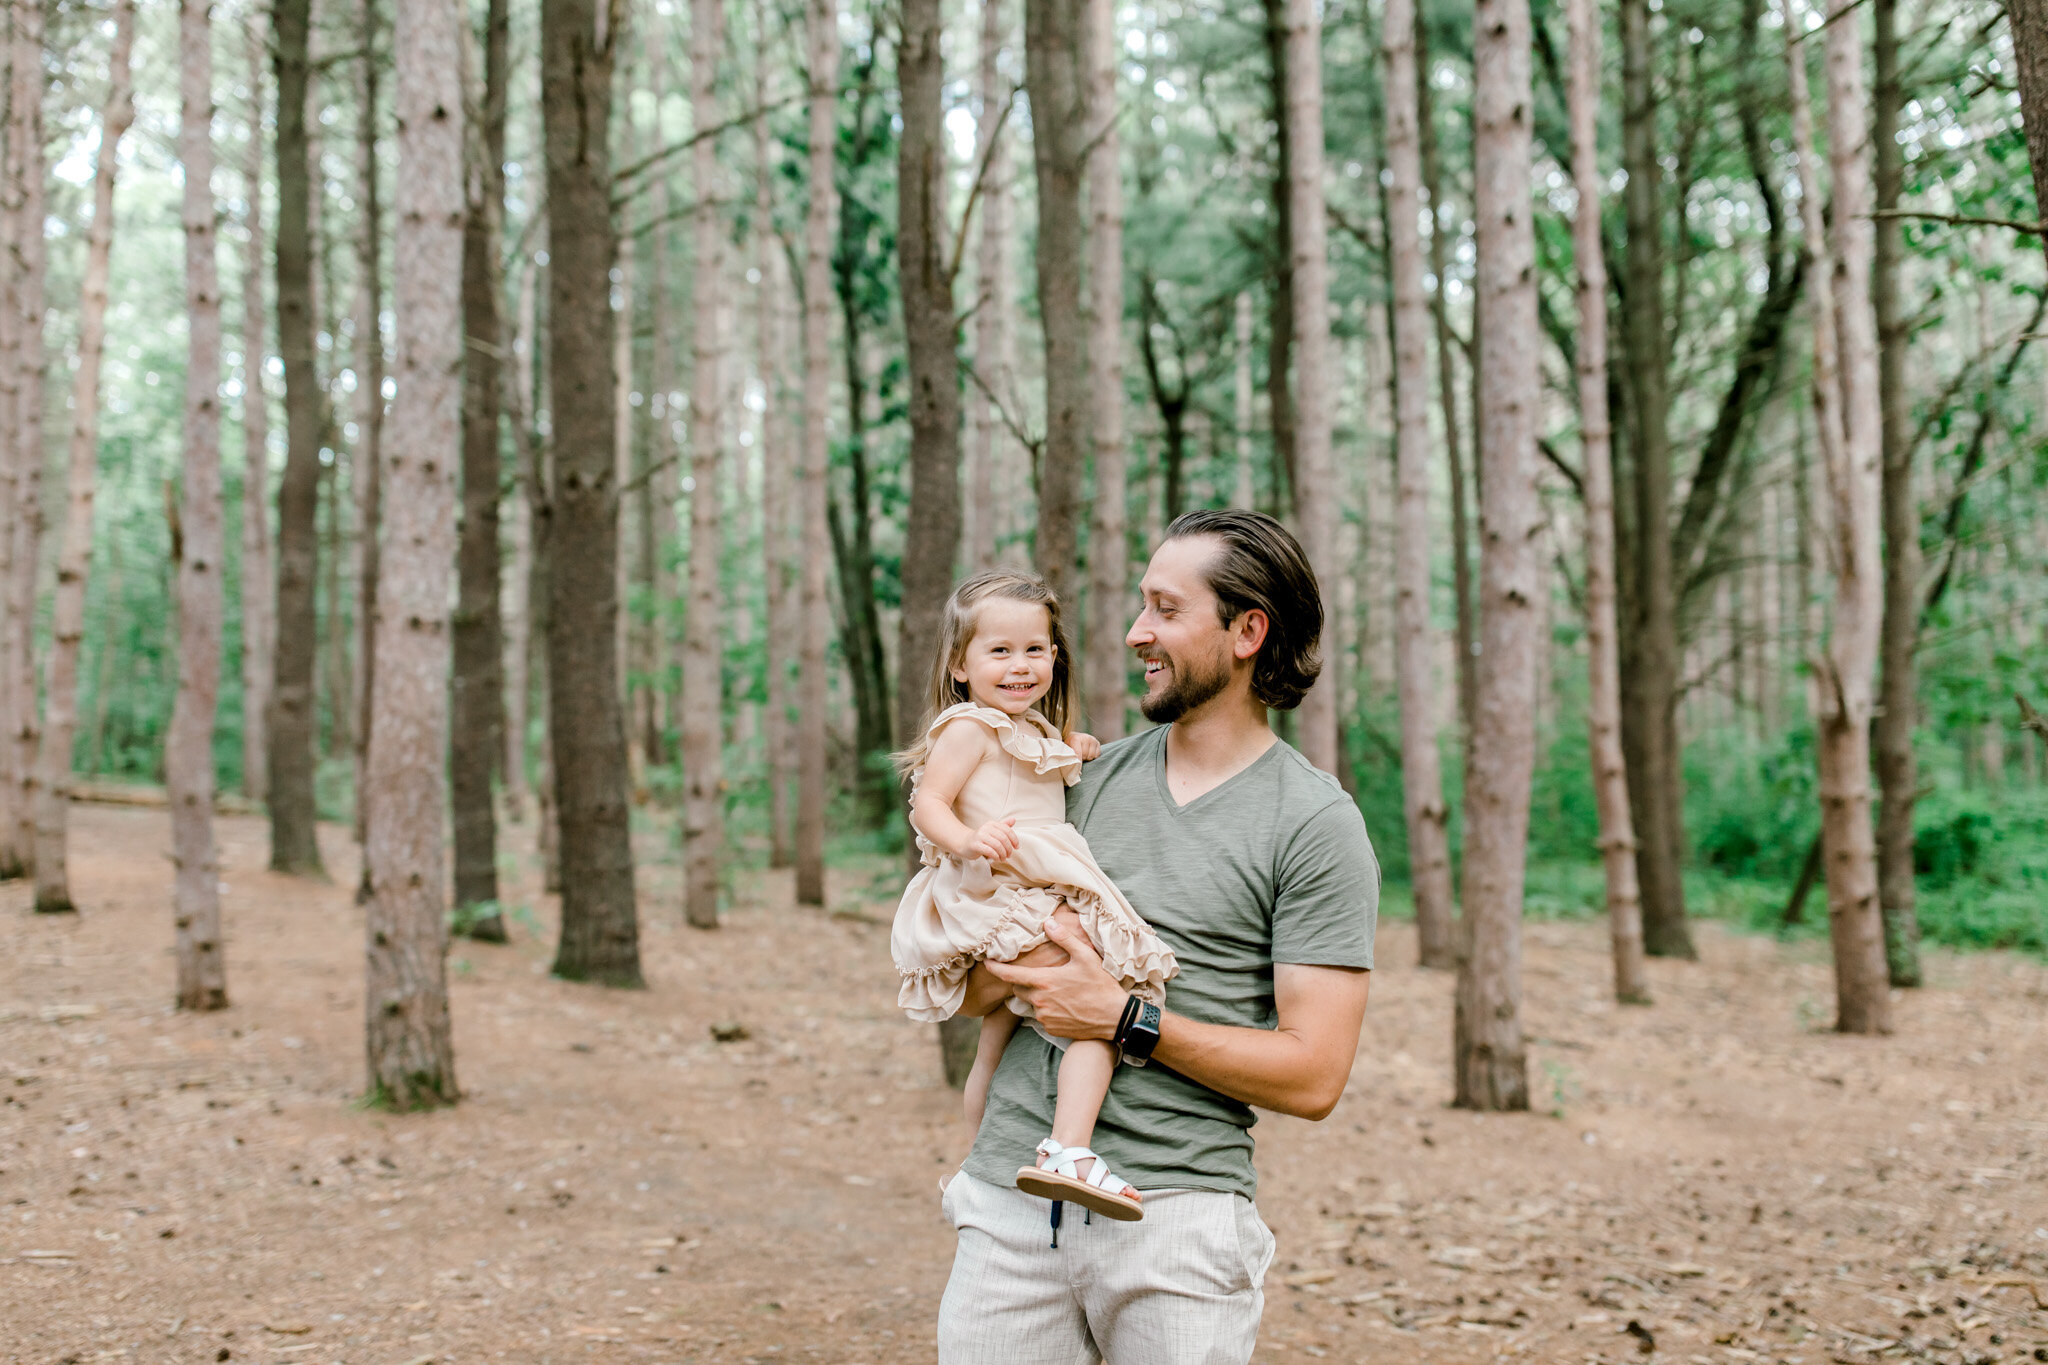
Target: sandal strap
(1066, 1161)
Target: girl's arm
(956, 752)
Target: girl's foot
(1078, 1176)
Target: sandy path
(619, 1187)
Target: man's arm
(1298, 1067)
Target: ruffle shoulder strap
(1031, 744)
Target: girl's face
(1008, 664)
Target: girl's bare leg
(1085, 1074)
(996, 1028)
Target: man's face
(1180, 633)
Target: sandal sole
(1051, 1185)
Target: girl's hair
(956, 632)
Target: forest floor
(1718, 1180)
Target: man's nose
(1139, 634)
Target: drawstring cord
(1087, 1218)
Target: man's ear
(1249, 633)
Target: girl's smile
(1008, 665)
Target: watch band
(1138, 1034)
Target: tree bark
(1105, 676)
(1447, 378)
(407, 1045)
(1603, 663)
(1241, 394)
(1650, 678)
(991, 452)
(74, 543)
(1316, 490)
(780, 548)
(600, 938)
(1428, 818)
(1492, 1066)
(23, 522)
(1842, 680)
(2029, 24)
(703, 638)
(1053, 78)
(526, 486)
(188, 751)
(1280, 329)
(293, 847)
(259, 585)
(477, 696)
(820, 225)
(1898, 699)
(366, 471)
(931, 532)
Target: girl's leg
(1085, 1074)
(996, 1028)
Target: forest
(480, 481)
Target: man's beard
(1186, 689)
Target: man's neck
(1214, 742)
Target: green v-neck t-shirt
(1272, 866)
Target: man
(1255, 868)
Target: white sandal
(1101, 1192)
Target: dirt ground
(1720, 1181)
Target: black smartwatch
(1138, 1032)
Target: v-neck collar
(1182, 808)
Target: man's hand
(1074, 999)
(994, 841)
(1086, 745)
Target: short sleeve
(1327, 901)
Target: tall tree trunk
(337, 670)
(815, 622)
(600, 939)
(407, 1043)
(703, 637)
(1428, 818)
(1280, 329)
(780, 545)
(1603, 665)
(1899, 698)
(1316, 491)
(1447, 378)
(1105, 678)
(1492, 1066)
(931, 535)
(991, 452)
(1650, 681)
(13, 174)
(477, 697)
(931, 542)
(1059, 129)
(526, 485)
(2028, 20)
(1852, 457)
(366, 473)
(1245, 493)
(656, 504)
(188, 751)
(74, 543)
(23, 524)
(293, 847)
(259, 612)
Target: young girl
(988, 802)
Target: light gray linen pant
(1183, 1287)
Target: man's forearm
(1271, 1068)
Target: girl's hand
(994, 841)
(1085, 744)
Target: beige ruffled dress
(959, 911)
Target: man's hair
(1261, 567)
